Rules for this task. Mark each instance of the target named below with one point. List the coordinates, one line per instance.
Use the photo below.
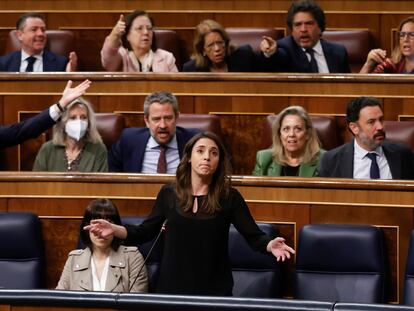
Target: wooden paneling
(257, 5)
(60, 199)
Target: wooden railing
(60, 199)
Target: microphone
(149, 252)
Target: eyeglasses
(144, 28)
(219, 44)
(403, 34)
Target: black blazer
(51, 62)
(243, 59)
(339, 162)
(293, 59)
(14, 134)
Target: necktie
(162, 160)
(313, 64)
(374, 172)
(30, 61)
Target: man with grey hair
(33, 57)
(157, 148)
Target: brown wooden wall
(241, 101)
(91, 23)
(60, 199)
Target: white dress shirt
(362, 163)
(319, 57)
(99, 284)
(37, 66)
(152, 153)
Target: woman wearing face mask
(131, 47)
(76, 145)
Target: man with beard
(304, 50)
(33, 57)
(368, 155)
(158, 147)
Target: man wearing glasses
(402, 57)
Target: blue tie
(30, 61)
(374, 170)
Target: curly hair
(308, 6)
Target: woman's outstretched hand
(100, 227)
(279, 249)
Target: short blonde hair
(92, 135)
(204, 28)
(312, 146)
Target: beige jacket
(124, 265)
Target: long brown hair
(220, 182)
(396, 54)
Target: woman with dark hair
(197, 210)
(104, 265)
(131, 47)
(214, 52)
(402, 57)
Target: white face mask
(76, 129)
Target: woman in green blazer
(296, 148)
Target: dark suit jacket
(243, 59)
(127, 154)
(51, 62)
(14, 134)
(293, 59)
(339, 162)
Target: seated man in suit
(304, 50)
(17, 133)
(367, 155)
(157, 148)
(33, 57)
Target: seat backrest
(154, 260)
(255, 274)
(60, 42)
(203, 122)
(110, 126)
(252, 36)
(168, 40)
(343, 263)
(326, 128)
(408, 298)
(21, 251)
(400, 132)
(358, 43)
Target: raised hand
(268, 45)
(100, 227)
(279, 249)
(71, 93)
(73, 62)
(374, 57)
(119, 28)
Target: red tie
(162, 160)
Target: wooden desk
(60, 199)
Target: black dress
(195, 257)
